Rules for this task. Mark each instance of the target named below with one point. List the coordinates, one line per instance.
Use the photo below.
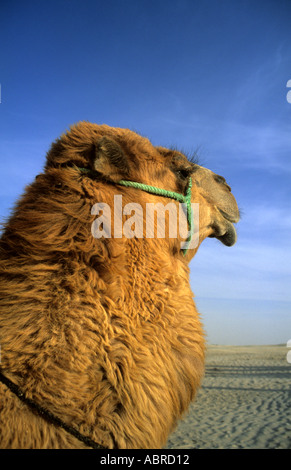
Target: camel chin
(225, 233)
(230, 236)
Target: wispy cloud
(263, 218)
(266, 147)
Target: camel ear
(110, 160)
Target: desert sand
(244, 401)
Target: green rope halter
(162, 192)
(170, 194)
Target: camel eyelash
(193, 158)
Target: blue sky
(205, 74)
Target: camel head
(107, 156)
(219, 203)
(218, 208)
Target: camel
(101, 342)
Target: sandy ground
(244, 402)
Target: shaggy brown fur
(103, 333)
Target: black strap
(47, 415)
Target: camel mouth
(229, 237)
(224, 232)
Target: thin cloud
(261, 146)
(265, 147)
(263, 217)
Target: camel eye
(183, 173)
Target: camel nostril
(220, 180)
